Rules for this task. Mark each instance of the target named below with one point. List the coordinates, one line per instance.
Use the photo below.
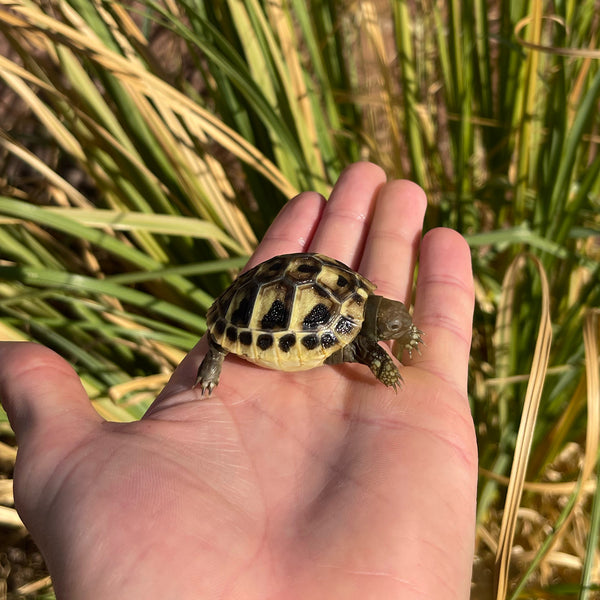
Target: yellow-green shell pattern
(291, 312)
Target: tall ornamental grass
(147, 146)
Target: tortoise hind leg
(368, 352)
(210, 368)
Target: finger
(444, 305)
(293, 228)
(393, 239)
(345, 221)
(38, 388)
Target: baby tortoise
(299, 311)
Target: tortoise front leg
(210, 368)
(380, 363)
(368, 352)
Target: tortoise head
(392, 320)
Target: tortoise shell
(291, 312)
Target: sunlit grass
(147, 148)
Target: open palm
(319, 484)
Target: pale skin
(312, 485)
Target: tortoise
(299, 311)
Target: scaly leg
(210, 368)
(368, 352)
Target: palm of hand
(320, 484)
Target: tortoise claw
(396, 384)
(205, 386)
(415, 339)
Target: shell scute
(277, 317)
(345, 326)
(311, 341)
(320, 314)
(245, 338)
(272, 307)
(287, 341)
(301, 271)
(264, 341)
(240, 308)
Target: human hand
(318, 484)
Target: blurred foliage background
(147, 146)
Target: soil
(23, 573)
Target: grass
(146, 149)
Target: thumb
(40, 392)
(50, 414)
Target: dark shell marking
(290, 312)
